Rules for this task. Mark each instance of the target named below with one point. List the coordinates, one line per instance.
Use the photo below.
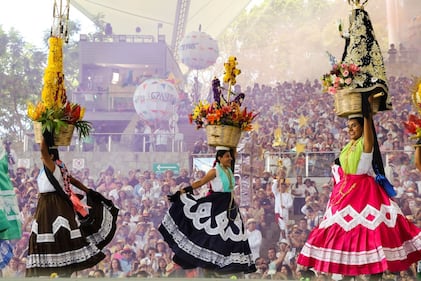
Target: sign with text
(160, 168)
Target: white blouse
(44, 185)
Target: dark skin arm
(49, 163)
(78, 184)
(417, 157)
(210, 175)
(368, 129)
(46, 157)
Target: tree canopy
(21, 72)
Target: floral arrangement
(340, 77)
(54, 111)
(223, 110)
(413, 125)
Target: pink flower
(340, 76)
(354, 68)
(332, 90)
(337, 79)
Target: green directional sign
(159, 168)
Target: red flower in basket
(413, 126)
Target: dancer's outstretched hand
(173, 197)
(188, 189)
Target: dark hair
(220, 153)
(360, 120)
(100, 271)
(288, 269)
(54, 152)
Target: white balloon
(198, 50)
(154, 99)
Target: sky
(32, 17)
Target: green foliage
(53, 120)
(22, 68)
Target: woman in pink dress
(363, 230)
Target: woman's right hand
(174, 197)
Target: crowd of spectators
(304, 116)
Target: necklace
(350, 150)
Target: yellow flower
(82, 113)
(230, 71)
(54, 111)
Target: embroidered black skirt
(60, 244)
(207, 232)
(100, 226)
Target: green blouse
(350, 156)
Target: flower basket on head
(63, 138)
(223, 135)
(348, 102)
(54, 113)
(341, 83)
(224, 119)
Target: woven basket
(64, 138)
(347, 103)
(223, 135)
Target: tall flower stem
(229, 91)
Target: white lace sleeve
(335, 173)
(364, 166)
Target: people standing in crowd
(198, 146)
(126, 259)
(115, 269)
(183, 177)
(254, 237)
(142, 136)
(283, 203)
(162, 136)
(275, 261)
(285, 251)
(310, 187)
(298, 192)
(220, 234)
(286, 272)
(269, 228)
(262, 269)
(147, 133)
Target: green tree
(21, 66)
